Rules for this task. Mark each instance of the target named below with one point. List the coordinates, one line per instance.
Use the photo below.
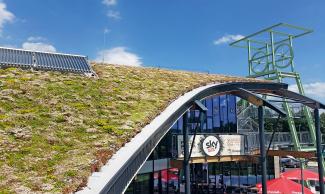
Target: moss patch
(55, 129)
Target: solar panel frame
(75, 61)
(62, 58)
(80, 63)
(75, 65)
(10, 57)
(70, 63)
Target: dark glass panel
(204, 128)
(197, 114)
(162, 149)
(243, 173)
(142, 184)
(227, 173)
(130, 189)
(216, 114)
(234, 174)
(223, 113)
(180, 124)
(174, 128)
(209, 106)
(270, 169)
(232, 117)
(209, 124)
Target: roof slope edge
(97, 181)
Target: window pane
(216, 113)
(232, 113)
(234, 174)
(251, 170)
(209, 106)
(174, 128)
(142, 183)
(223, 113)
(209, 124)
(243, 173)
(180, 124)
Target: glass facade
(221, 116)
(161, 175)
(229, 177)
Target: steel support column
(302, 176)
(186, 165)
(262, 147)
(319, 151)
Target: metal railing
(280, 139)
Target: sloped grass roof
(55, 129)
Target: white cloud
(38, 43)
(228, 38)
(113, 14)
(118, 56)
(109, 2)
(5, 15)
(39, 46)
(314, 90)
(36, 39)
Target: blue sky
(164, 33)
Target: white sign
(211, 146)
(206, 145)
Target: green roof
(56, 129)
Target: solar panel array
(44, 61)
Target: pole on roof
(186, 165)
(262, 147)
(319, 151)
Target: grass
(55, 129)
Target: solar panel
(44, 61)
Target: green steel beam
(307, 113)
(257, 41)
(280, 33)
(271, 29)
(297, 27)
(264, 73)
(275, 73)
(308, 149)
(241, 46)
(272, 49)
(261, 57)
(292, 62)
(287, 75)
(282, 41)
(254, 34)
(267, 59)
(249, 57)
(291, 122)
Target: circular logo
(211, 146)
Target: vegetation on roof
(56, 129)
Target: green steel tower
(271, 57)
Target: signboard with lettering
(213, 145)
